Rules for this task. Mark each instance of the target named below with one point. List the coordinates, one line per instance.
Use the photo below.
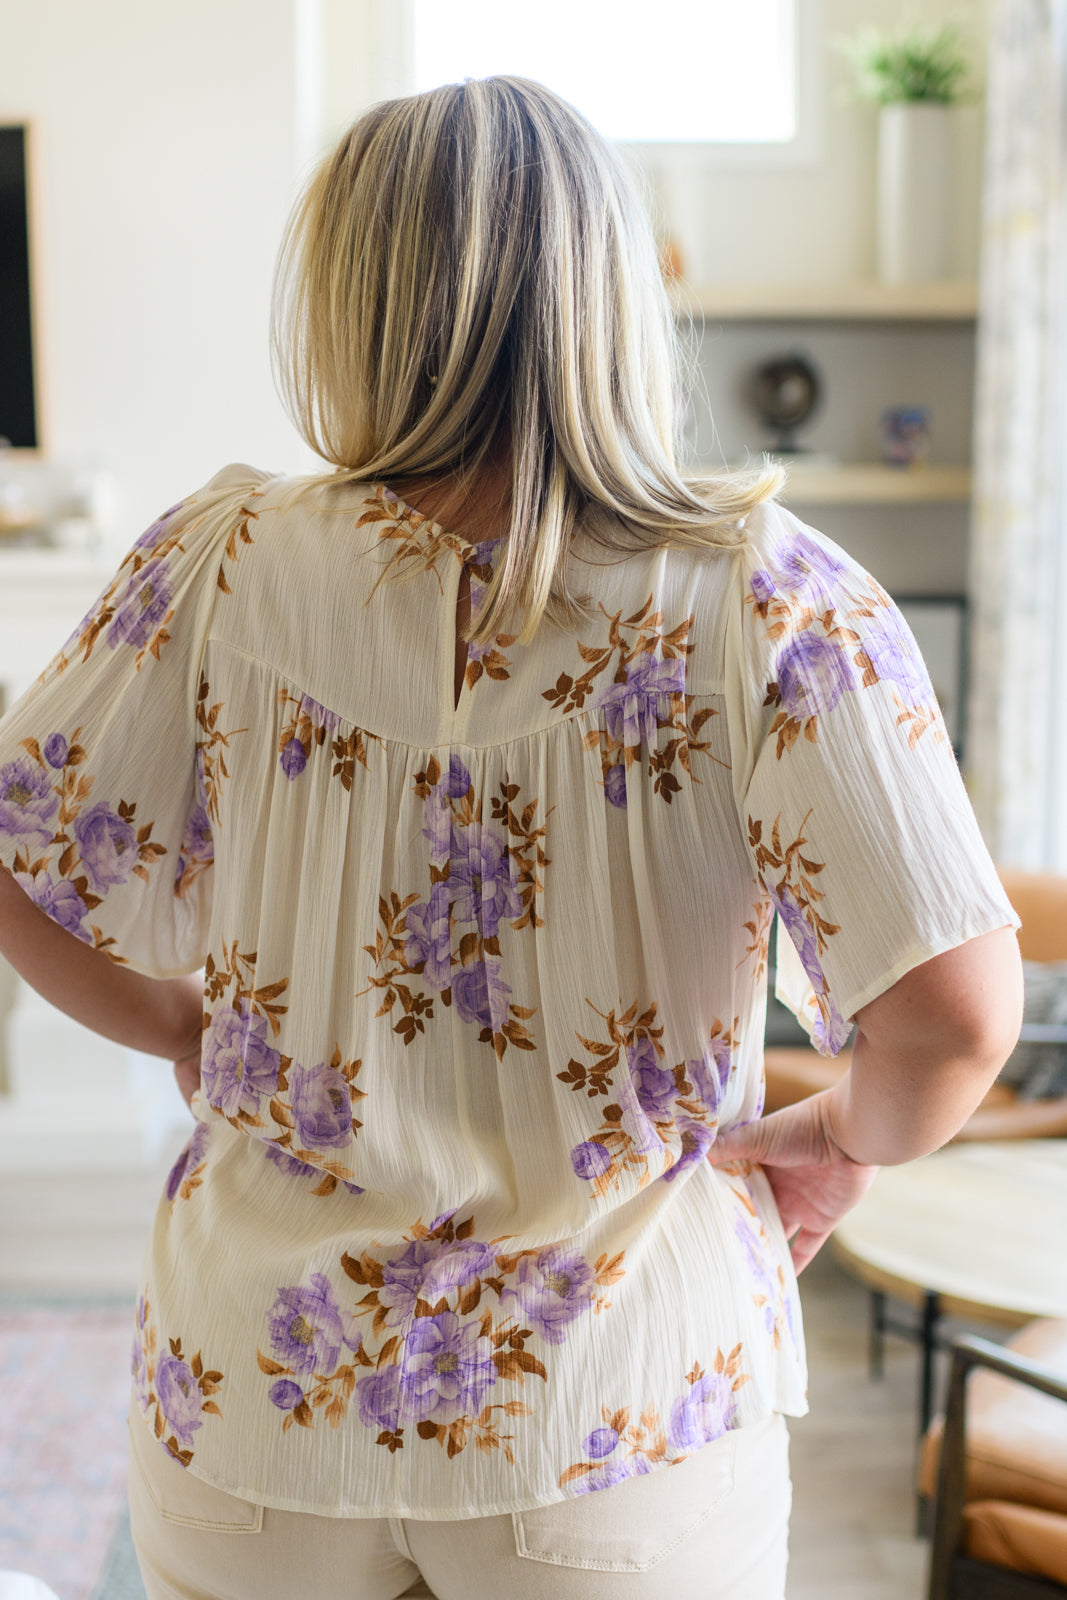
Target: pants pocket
(179, 1497)
(635, 1524)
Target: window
(714, 73)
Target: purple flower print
(305, 1326)
(179, 1396)
(293, 759)
(710, 1076)
(437, 826)
(551, 1290)
(108, 847)
(319, 715)
(654, 1086)
(705, 1412)
(157, 532)
(758, 1269)
(895, 656)
(302, 1169)
(813, 673)
(695, 1139)
(632, 709)
(139, 1373)
(590, 1158)
(198, 843)
(601, 1442)
(480, 879)
(426, 1269)
(189, 1159)
(27, 804)
(802, 567)
(802, 935)
(615, 785)
(142, 608)
(322, 1106)
(447, 1368)
(56, 750)
(457, 780)
(238, 1065)
(379, 1399)
(429, 938)
(481, 994)
(614, 1472)
(60, 901)
(285, 1394)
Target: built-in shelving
(831, 302)
(873, 484)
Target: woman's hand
(187, 1076)
(813, 1181)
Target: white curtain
(1017, 733)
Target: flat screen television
(18, 402)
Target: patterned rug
(64, 1378)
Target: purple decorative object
(615, 1472)
(813, 673)
(239, 1066)
(189, 1159)
(305, 1326)
(429, 938)
(60, 901)
(293, 759)
(615, 785)
(705, 1412)
(481, 994)
(285, 1394)
(480, 879)
(551, 1290)
(802, 568)
(142, 608)
(905, 435)
(322, 1106)
(56, 750)
(27, 804)
(447, 1368)
(601, 1442)
(179, 1396)
(108, 847)
(590, 1158)
(632, 709)
(427, 1269)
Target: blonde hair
(471, 271)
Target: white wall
(167, 145)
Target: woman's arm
(160, 1017)
(926, 1052)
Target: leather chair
(998, 1459)
(1040, 900)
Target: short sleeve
(855, 813)
(103, 820)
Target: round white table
(977, 1231)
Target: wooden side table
(975, 1230)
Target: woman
(472, 775)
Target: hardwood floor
(853, 1457)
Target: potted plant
(915, 78)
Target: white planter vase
(914, 193)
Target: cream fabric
(480, 983)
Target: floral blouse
(481, 982)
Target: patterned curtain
(1017, 734)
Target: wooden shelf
(832, 302)
(873, 484)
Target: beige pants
(713, 1528)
